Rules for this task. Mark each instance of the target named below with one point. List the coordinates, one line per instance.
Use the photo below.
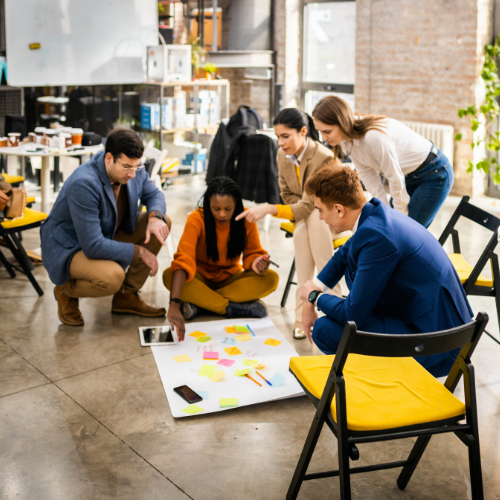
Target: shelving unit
(157, 92)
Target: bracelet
(177, 301)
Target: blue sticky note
(277, 380)
(203, 394)
(228, 340)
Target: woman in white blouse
(420, 176)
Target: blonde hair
(333, 110)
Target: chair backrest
(409, 345)
(473, 213)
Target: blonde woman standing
(420, 175)
(300, 156)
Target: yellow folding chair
(289, 228)
(9, 233)
(373, 390)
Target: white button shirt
(395, 154)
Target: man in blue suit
(400, 278)
(94, 243)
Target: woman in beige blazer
(300, 155)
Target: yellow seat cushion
(288, 226)
(13, 179)
(382, 393)
(339, 242)
(30, 199)
(30, 216)
(463, 269)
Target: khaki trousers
(99, 278)
(313, 244)
(244, 286)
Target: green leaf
(458, 137)
(474, 125)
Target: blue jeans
(328, 332)
(428, 188)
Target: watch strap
(177, 301)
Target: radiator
(441, 135)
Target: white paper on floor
(276, 359)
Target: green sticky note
(242, 373)
(250, 362)
(193, 409)
(207, 371)
(205, 338)
(228, 402)
(241, 329)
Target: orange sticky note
(230, 329)
(273, 342)
(232, 351)
(197, 334)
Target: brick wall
(420, 60)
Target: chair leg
(22, 251)
(415, 456)
(305, 457)
(289, 283)
(476, 476)
(7, 265)
(20, 259)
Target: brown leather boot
(132, 303)
(67, 308)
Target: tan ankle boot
(67, 308)
(132, 303)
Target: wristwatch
(313, 296)
(177, 301)
(156, 214)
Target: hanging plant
(487, 114)
(197, 51)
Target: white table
(28, 150)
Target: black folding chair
(9, 231)
(473, 281)
(347, 389)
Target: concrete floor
(83, 413)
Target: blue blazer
(398, 275)
(84, 218)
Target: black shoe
(254, 309)
(189, 311)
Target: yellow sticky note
(232, 351)
(250, 362)
(242, 372)
(230, 329)
(197, 334)
(193, 410)
(207, 371)
(228, 402)
(218, 376)
(182, 359)
(273, 342)
(260, 366)
(245, 337)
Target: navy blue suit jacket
(84, 218)
(400, 278)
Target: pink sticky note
(225, 362)
(210, 355)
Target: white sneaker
(298, 333)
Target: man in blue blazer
(400, 278)
(94, 243)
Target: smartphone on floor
(188, 394)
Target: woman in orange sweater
(206, 273)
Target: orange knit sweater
(191, 253)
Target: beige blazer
(315, 157)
